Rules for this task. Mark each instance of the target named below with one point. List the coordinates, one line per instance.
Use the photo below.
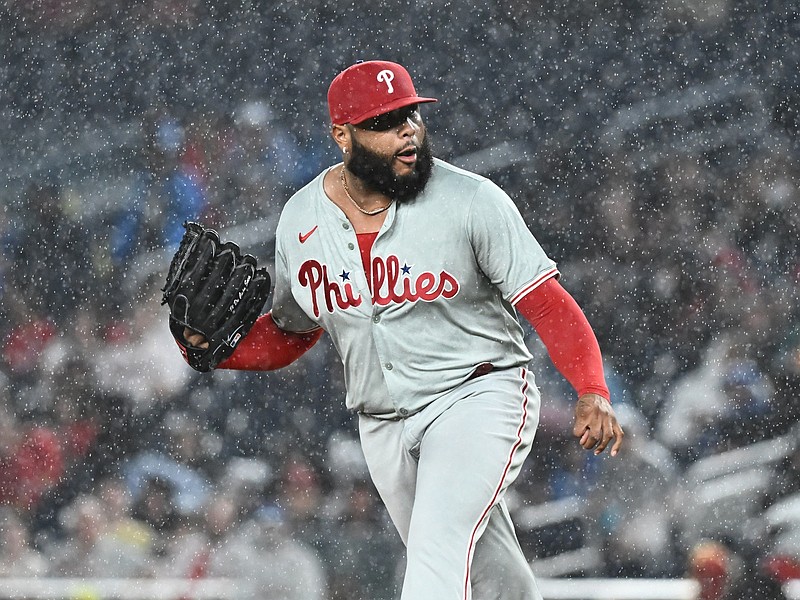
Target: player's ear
(341, 135)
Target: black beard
(377, 175)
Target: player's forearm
(267, 347)
(567, 335)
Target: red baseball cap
(368, 89)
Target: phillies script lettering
(391, 284)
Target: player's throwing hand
(596, 424)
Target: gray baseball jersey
(447, 269)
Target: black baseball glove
(213, 290)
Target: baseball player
(418, 270)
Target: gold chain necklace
(369, 213)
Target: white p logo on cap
(386, 76)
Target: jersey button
(403, 412)
(351, 245)
(345, 225)
(389, 366)
(376, 319)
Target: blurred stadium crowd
(651, 146)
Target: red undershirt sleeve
(567, 335)
(266, 347)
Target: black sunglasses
(389, 120)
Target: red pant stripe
(517, 443)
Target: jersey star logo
(345, 275)
(304, 237)
(405, 269)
